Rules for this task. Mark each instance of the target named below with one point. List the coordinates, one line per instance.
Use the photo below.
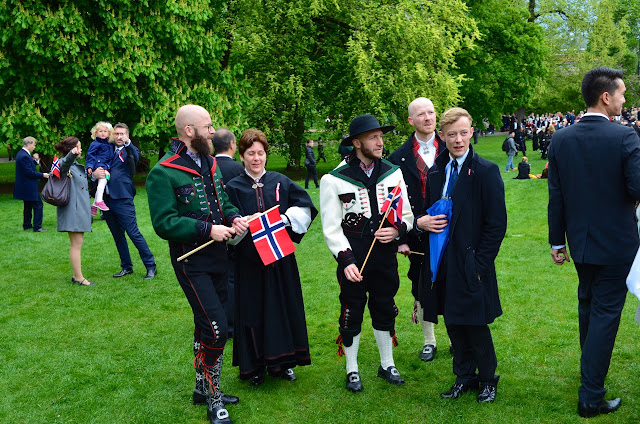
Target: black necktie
(453, 177)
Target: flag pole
(381, 223)
(186, 255)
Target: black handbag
(57, 190)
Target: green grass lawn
(120, 352)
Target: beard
(201, 145)
(369, 153)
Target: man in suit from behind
(224, 145)
(121, 216)
(415, 156)
(594, 180)
(26, 186)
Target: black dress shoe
(258, 379)
(151, 272)
(459, 388)
(428, 352)
(123, 272)
(353, 382)
(487, 393)
(587, 410)
(218, 415)
(200, 398)
(391, 374)
(40, 230)
(289, 375)
(230, 399)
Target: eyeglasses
(209, 127)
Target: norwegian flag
(270, 237)
(393, 203)
(55, 167)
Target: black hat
(362, 124)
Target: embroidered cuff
(204, 231)
(345, 258)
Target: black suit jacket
(27, 178)
(122, 171)
(403, 157)
(229, 167)
(594, 180)
(466, 293)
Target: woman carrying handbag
(75, 217)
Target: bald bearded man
(188, 208)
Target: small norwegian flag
(393, 202)
(55, 166)
(270, 237)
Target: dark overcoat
(27, 178)
(467, 292)
(404, 157)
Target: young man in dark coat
(592, 195)
(415, 157)
(466, 289)
(26, 186)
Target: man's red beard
(201, 145)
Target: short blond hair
(104, 124)
(452, 115)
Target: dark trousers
(229, 304)
(203, 279)
(380, 280)
(36, 207)
(121, 218)
(602, 292)
(473, 350)
(311, 172)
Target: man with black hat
(351, 197)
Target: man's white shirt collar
(596, 114)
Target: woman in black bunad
(270, 330)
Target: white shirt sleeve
(298, 218)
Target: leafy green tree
(504, 67)
(306, 59)
(66, 65)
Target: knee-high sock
(215, 394)
(427, 327)
(102, 183)
(201, 388)
(385, 347)
(351, 353)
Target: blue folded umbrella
(438, 241)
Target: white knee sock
(427, 327)
(351, 353)
(102, 183)
(385, 347)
